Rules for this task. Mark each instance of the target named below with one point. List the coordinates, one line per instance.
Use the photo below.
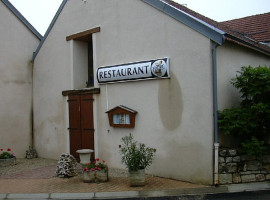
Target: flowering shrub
(6, 154)
(136, 155)
(96, 165)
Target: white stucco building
(18, 41)
(175, 110)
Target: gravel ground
(23, 164)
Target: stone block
(225, 178)
(221, 160)
(247, 158)
(267, 176)
(223, 152)
(266, 159)
(236, 159)
(232, 152)
(236, 178)
(232, 167)
(260, 177)
(222, 168)
(248, 178)
(228, 159)
(240, 167)
(253, 165)
(266, 167)
(245, 173)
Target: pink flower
(2, 149)
(94, 162)
(92, 169)
(97, 159)
(103, 161)
(9, 149)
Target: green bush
(250, 121)
(135, 155)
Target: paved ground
(42, 180)
(35, 179)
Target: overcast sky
(40, 12)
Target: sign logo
(159, 68)
(152, 69)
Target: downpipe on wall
(215, 108)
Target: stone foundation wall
(236, 168)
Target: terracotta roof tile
(256, 27)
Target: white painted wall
(16, 50)
(174, 115)
(230, 59)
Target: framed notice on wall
(152, 69)
(122, 117)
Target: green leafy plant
(254, 147)
(6, 154)
(251, 121)
(135, 155)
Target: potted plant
(137, 157)
(96, 171)
(7, 157)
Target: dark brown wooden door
(81, 123)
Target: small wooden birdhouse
(122, 117)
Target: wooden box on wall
(122, 117)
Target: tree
(250, 121)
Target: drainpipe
(215, 107)
(32, 143)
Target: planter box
(101, 176)
(137, 178)
(7, 162)
(95, 176)
(89, 177)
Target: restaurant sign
(152, 69)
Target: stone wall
(236, 168)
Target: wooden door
(81, 123)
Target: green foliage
(135, 156)
(254, 147)
(251, 121)
(253, 84)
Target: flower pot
(85, 155)
(102, 175)
(137, 178)
(7, 162)
(89, 177)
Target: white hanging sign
(152, 69)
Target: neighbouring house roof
(215, 31)
(256, 27)
(230, 34)
(22, 19)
